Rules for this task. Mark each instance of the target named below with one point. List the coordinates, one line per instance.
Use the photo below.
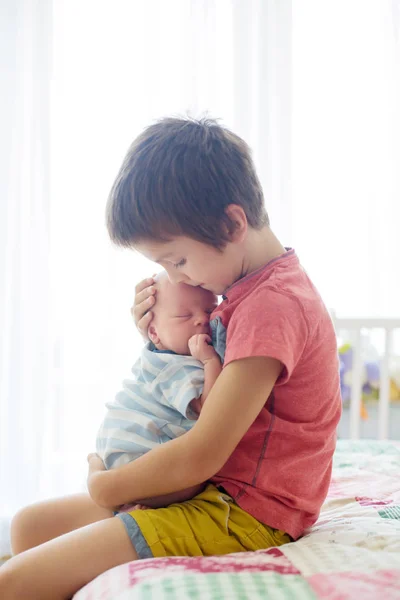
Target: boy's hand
(95, 463)
(96, 467)
(141, 309)
(129, 507)
(200, 348)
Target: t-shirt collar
(286, 255)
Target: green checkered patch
(229, 586)
(365, 447)
(390, 512)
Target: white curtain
(25, 277)
(312, 86)
(114, 68)
(346, 151)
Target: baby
(171, 379)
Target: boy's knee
(10, 582)
(23, 525)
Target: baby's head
(180, 312)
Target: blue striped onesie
(152, 408)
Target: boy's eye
(180, 263)
(182, 316)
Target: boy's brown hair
(177, 178)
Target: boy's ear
(238, 222)
(152, 333)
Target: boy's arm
(174, 498)
(234, 402)
(96, 465)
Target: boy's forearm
(108, 490)
(174, 497)
(212, 369)
(238, 396)
(175, 467)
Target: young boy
(187, 196)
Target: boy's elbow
(204, 463)
(100, 490)
(210, 469)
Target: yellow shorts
(208, 524)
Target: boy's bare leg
(59, 568)
(47, 520)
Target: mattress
(353, 551)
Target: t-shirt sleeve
(182, 387)
(271, 324)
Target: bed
(353, 551)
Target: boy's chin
(212, 288)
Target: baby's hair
(177, 178)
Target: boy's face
(194, 263)
(180, 312)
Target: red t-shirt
(281, 469)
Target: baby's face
(180, 312)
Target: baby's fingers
(203, 339)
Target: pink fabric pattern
(353, 551)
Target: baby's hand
(195, 406)
(199, 346)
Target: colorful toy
(370, 378)
(345, 369)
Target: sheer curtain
(115, 71)
(346, 151)
(25, 309)
(313, 87)
(108, 71)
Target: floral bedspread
(352, 552)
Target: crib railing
(388, 326)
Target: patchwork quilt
(352, 552)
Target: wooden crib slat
(384, 389)
(389, 325)
(355, 399)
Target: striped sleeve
(152, 407)
(183, 384)
(126, 433)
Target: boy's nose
(176, 277)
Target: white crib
(356, 326)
